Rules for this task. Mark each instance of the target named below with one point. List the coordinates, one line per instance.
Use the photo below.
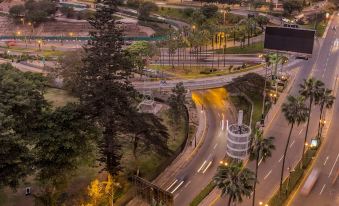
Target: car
(285, 20)
(310, 182)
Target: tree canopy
(21, 107)
(292, 5)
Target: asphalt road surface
(326, 190)
(322, 66)
(202, 167)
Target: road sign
(289, 40)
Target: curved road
(199, 172)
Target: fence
(78, 38)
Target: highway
(325, 192)
(201, 169)
(322, 66)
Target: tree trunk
(229, 201)
(190, 57)
(178, 57)
(308, 122)
(284, 157)
(169, 57)
(256, 177)
(135, 146)
(321, 115)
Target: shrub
(17, 11)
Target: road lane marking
(215, 146)
(322, 189)
(175, 189)
(209, 164)
(187, 184)
(301, 131)
(334, 165)
(292, 143)
(268, 174)
(172, 184)
(175, 197)
(260, 161)
(222, 124)
(203, 164)
(281, 158)
(326, 160)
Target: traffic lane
(214, 144)
(324, 191)
(199, 98)
(271, 174)
(270, 171)
(199, 180)
(327, 62)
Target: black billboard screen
(289, 40)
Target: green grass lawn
(321, 27)
(174, 13)
(47, 53)
(252, 86)
(59, 97)
(253, 48)
(195, 72)
(3, 197)
(241, 103)
(151, 163)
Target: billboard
(291, 40)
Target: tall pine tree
(105, 92)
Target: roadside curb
(185, 156)
(327, 27)
(272, 113)
(214, 195)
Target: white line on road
(268, 174)
(292, 143)
(301, 131)
(326, 160)
(334, 165)
(222, 124)
(281, 158)
(176, 195)
(203, 164)
(172, 184)
(187, 184)
(260, 161)
(175, 189)
(322, 189)
(215, 146)
(209, 164)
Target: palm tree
(310, 89)
(234, 181)
(326, 99)
(283, 61)
(261, 148)
(295, 112)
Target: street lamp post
(264, 93)
(39, 44)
